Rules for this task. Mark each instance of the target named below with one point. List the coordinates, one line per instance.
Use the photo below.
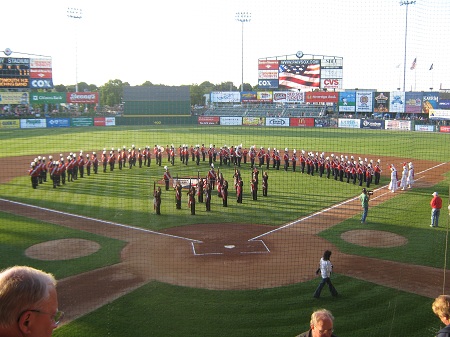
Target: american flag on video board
(299, 76)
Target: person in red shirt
(436, 205)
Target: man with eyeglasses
(28, 303)
(321, 324)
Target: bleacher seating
(306, 110)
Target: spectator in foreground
(441, 307)
(321, 324)
(28, 303)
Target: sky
(189, 42)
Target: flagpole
(415, 79)
(432, 76)
(407, 3)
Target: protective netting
(101, 236)
(135, 256)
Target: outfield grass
(158, 309)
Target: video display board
(302, 73)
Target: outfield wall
(292, 122)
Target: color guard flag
(431, 67)
(413, 66)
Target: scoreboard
(14, 72)
(25, 73)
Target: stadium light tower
(243, 17)
(75, 13)
(405, 3)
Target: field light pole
(243, 17)
(75, 13)
(405, 3)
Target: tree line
(111, 93)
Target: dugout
(156, 101)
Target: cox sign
(264, 83)
(41, 84)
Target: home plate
(239, 247)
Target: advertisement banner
(347, 101)
(58, 122)
(364, 101)
(82, 121)
(82, 97)
(372, 124)
(248, 96)
(439, 114)
(264, 96)
(397, 102)
(444, 104)
(41, 83)
(9, 124)
(208, 120)
(267, 84)
(14, 82)
(381, 100)
(413, 102)
(325, 122)
(14, 98)
(349, 123)
(301, 122)
(424, 128)
(110, 121)
(445, 129)
(47, 97)
(430, 100)
(288, 97)
(99, 121)
(321, 97)
(33, 123)
(268, 64)
(225, 97)
(277, 121)
(41, 63)
(253, 121)
(268, 74)
(230, 120)
(330, 83)
(397, 125)
(40, 73)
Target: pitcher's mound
(374, 238)
(64, 249)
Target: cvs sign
(331, 83)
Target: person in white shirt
(325, 270)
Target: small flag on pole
(431, 67)
(413, 65)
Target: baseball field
(243, 270)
